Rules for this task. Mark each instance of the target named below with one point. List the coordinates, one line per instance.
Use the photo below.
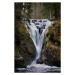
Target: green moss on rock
(52, 56)
(52, 46)
(24, 46)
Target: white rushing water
(36, 36)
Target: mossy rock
(53, 57)
(52, 46)
(23, 44)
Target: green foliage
(49, 28)
(29, 10)
(18, 9)
(50, 34)
(57, 26)
(59, 39)
(53, 33)
(55, 10)
(53, 17)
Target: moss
(47, 39)
(59, 40)
(51, 32)
(49, 28)
(57, 26)
(58, 58)
(52, 55)
(52, 50)
(53, 17)
(24, 45)
(17, 49)
(58, 34)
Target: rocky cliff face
(24, 47)
(51, 53)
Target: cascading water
(36, 36)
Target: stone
(39, 61)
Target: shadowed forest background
(37, 10)
(25, 50)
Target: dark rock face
(24, 47)
(20, 64)
(52, 56)
(52, 49)
(39, 61)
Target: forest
(37, 48)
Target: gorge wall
(24, 47)
(51, 53)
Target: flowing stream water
(37, 34)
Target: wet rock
(25, 50)
(20, 64)
(52, 50)
(20, 58)
(39, 61)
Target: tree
(18, 9)
(52, 9)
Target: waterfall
(37, 34)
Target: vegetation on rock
(52, 44)
(24, 46)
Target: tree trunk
(35, 10)
(55, 11)
(50, 13)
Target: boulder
(39, 61)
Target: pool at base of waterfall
(39, 68)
